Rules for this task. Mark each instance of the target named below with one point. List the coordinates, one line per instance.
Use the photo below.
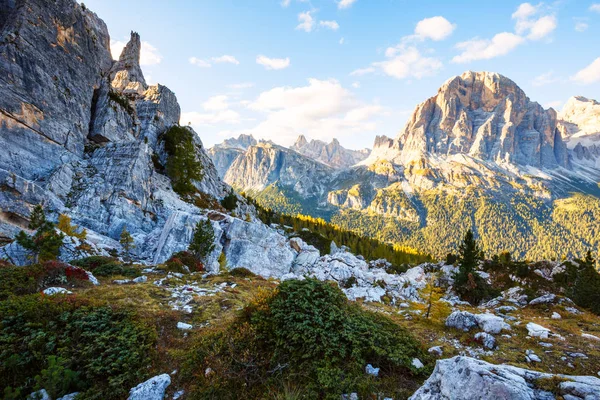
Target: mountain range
(479, 154)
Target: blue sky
(350, 69)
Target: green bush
(50, 341)
(242, 273)
(16, 281)
(105, 266)
(230, 201)
(306, 332)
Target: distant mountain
(579, 122)
(332, 154)
(479, 154)
(225, 153)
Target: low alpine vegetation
(305, 332)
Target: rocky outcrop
(82, 133)
(463, 378)
(331, 154)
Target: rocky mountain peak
(486, 116)
(331, 154)
(300, 142)
(126, 73)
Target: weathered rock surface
(463, 378)
(225, 153)
(153, 389)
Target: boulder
(491, 323)
(536, 330)
(462, 320)
(256, 247)
(153, 389)
(545, 299)
(39, 395)
(307, 254)
(369, 369)
(530, 356)
(437, 350)
(488, 341)
(51, 291)
(464, 378)
(183, 326)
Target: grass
(151, 303)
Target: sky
(348, 69)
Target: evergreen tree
(126, 241)
(586, 290)
(467, 282)
(45, 243)
(230, 201)
(203, 241)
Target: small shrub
(122, 101)
(189, 260)
(45, 243)
(105, 266)
(230, 201)
(242, 273)
(348, 283)
(64, 224)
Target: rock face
(81, 132)
(487, 116)
(331, 154)
(579, 122)
(463, 378)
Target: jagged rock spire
(126, 74)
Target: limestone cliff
(81, 133)
(331, 154)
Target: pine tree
(586, 290)
(126, 241)
(467, 282)
(203, 241)
(45, 243)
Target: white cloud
(362, 71)
(216, 103)
(333, 25)
(243, 85)
(545, 79)
(581, 26)
(595, 7)
(199, 63)
(435, 28)
(273, 63)
(322, 109)
(356, 85)
(590, 74)
(216, 111)
(409, 63)
(224, 59)
(531, 23)
(149, 55)
(524, 11)
(345, 4)
(285, 3)
(484, 49)
(307, 22)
